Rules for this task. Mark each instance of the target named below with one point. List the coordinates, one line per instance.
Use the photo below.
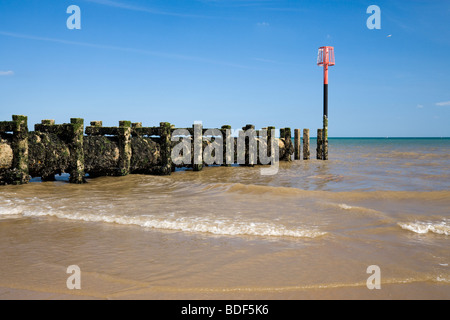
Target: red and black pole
(325, 58)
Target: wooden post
(96, 123)
(249, 154)
(282, 133)
(269, 141)
(166, 149)
(48, 122)
(288, 143)
(20, 150)
(325, 138)
(76, 129)
(288, 134)
(297, 144)
(48, 176)
(319, 150)
(197, 162)
(228, 155)
(124, 135)
(136, 125)
(306, 150)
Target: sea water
(309, 231)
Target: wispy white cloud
(126, 49)
(442, 104)
(6, 73)
(419, 106)
(266, 5)
(126, 6)
(263, 24)
(237, 3)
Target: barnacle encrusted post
(197, 162)
(325, 138)
(297, 144)
(166, 148)
(20, 172)
(76, 130)
(124, 136)
(306, 150)
(228, 146)
(319, 150)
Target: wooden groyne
(130, 148)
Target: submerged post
(20, 150)
(282, 133)
(306, 150)
(250, 145)
(319, 149)
(124, 147)
(76, 128)
(297, 144)
(166, 149)
(325, 138)
(197, 164)
(228, 146)
(287, 135)
(48, 176)
(269, 141)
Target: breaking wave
(224, 226)
(425, 227)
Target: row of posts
(73, 134)
(322, 144)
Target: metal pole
(324, 155)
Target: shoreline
(394, 291)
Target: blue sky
(229, 62)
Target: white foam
(215, 226)
(11, 211)
(345, 206)
(442, 279)
(425, 227)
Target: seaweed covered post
(269, 141)
(76, 128)
(134, 126)
(228, 146)
(48, 176)
(166, 150)
(297, 144)
(124, 135)
(287, 135)
(48, 122)
(250, 145)
(282, 133)
(198, 146)
(96, 123)
(319, 150)
(306, 150)
(325, 138)
(20, 172)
